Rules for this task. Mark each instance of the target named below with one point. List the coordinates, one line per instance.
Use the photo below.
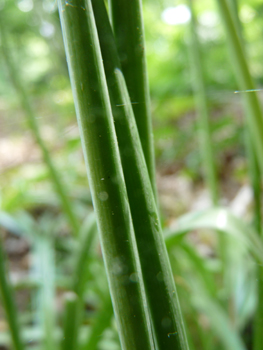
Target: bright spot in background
(49, 6)
(25, 5)
(247, 13)
(209, 19)
(47, 29)
(221, 219)
(176, 15)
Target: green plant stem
(254, 120)
(253, 166)
(105, 173)
(257, 190)
(255, 179)
(205, 137)
(74, 310)
(255, 171)
(8, 303)
(158, 279)
(204, 129)
(87, 235)
(31, 118)
(127, 22)
(44, 266)
(102, 321)
(70, 332)
(233, 7)
(258, 320)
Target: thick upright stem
(105, 173)
(127, 22)
(157, 275)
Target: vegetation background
(217, 287)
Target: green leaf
(218, 318)
(219, 219)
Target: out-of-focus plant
(254, 122)
(66, 271)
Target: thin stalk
(70, 333)
(87, 236)
(233, 6)
(254, 120)
(157, 274)
(102, 321)
(127, 22)
(74, 306)
(204, 128)
(255, 177)
(257, 190)
(8, 303)
(258, 320)
(105, 173)
(205, 137)
(32, 123)
(254, 170)
(44, 263)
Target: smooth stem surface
(127, 22)
(105, 174)
(31, 118)
(254, 121)
(8, 303)
(157, 275)
(205, 138)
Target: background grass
(218, 297)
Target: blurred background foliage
(35, 35)
(26, 193)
